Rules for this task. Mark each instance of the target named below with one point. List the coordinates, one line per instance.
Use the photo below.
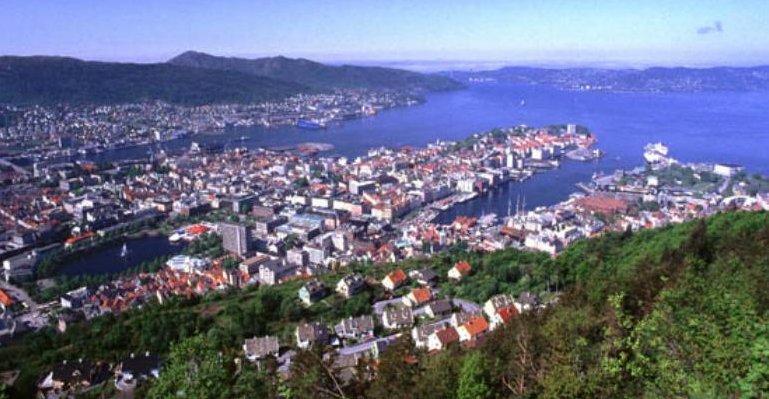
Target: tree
(3, 394)
(250, 383)
(313, 376)
(397, 371)
(195, 369)
(438, 379)
(473, 378)
(756, 382)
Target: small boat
(124, 251)
(523, 103)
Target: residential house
(460, 270)
(358, 328)
(497, 302)
(421, 334)
(438, 308)
(473, 329)
(273, 273)
(438, 340)
(399, 316)
(350, 285)
(418, 297)
(308, 334)
(75, 298)
(252, 264)
(459, 318)
(424, 277)
(502, 316)
(312, 291)
(394, 280)
(258, 348)
(134, 369)
(526, 301)
(69, 378)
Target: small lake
(108, 260)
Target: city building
(235, 238)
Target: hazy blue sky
(665, 32)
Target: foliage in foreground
(669, 313)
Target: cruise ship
(655, 153)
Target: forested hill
(315, 74)
(675, 312)
(678, 312)
(51, 80)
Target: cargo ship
(310, 124)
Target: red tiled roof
(476, 325)
(507, 313)
(397, 276)
(447, 335)
(5, 299)
(421, 295)
(463, 267)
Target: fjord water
(698, 127)
(728, 127)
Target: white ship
(656, 153)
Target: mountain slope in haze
(637, 80)
(49, 80)
(319, 75)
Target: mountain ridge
(191, 79)
(50, 80)
(316, 74)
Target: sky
(421, 32)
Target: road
(725, 185)
(18, 169)
(18, 294)
(467, 306)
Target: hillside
(314, 74)
(677, 312)
(49, 80)
(674, 312)
(633, 80)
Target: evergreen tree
(397, 371)
(473, 378)
(313, 376)
(195, 369)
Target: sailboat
(124, 251)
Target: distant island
(628, 80)
(192, 79)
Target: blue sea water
(703, 127)
(728, 127)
